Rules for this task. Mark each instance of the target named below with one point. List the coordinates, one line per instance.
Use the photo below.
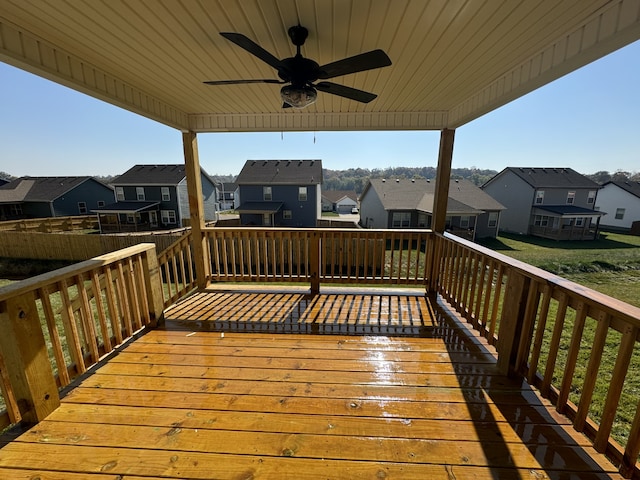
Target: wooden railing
(319, 255)
(177, 269)
(51, 224)
(57, 325)
(569, 341)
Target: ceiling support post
(196, 208)
(443, 177)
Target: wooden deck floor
(225, 390)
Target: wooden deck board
(196, 400)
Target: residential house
(556, 203)
(228, 196)
(280, 192)
(150, 197)
(339, 201)
(39, 197)
(620, 201)
(408, 203)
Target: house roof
(568, 210)
(418, 194)
(627, 185)
(452, 61)
(335, 196)
(281, 172)
(152, 175)
(545, 177)
(40, 189)
(260, 207)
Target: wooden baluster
(629, 336)
(71, 329)
(114, 313)
(632, 450)
(497, 293)
(572, 357)
(554, 345)
(54, 336)
(87, 321)
(528, 323)
(314, 261)
(97, 294)
(591, 374)
(25, 358)
(539, 334)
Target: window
(266, 194)
(131, 218)
(493, 219)
(541, 221)
(266, 219)
(16, 209)
(119, 194)
(286, 214)
(620, 213)
(168, 216)
(166, 196)
(140, 193)
(464, 222)
(82, 208)
(423, 220)
(579, 222)
(571, 197)
(591, 198)
(100, 203)
(539, 197)
(302, 194)
(401, 219)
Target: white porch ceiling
(453, 60)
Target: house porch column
(443, 176)
(196, 208)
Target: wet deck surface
(231, 389)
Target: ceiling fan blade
(347, 92)
(237, 82)
(357, 63)
(252, 47)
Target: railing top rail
(610, 305)
(49, 278)
(321, 230)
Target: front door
(153, 218)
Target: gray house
(280, 192)
(556, 203)
(339, 201)
(150, 197)
(408, 203)
(40, 197)
(228, 196)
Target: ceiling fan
(299, 73)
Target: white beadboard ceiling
(453, 60)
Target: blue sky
(588, 120)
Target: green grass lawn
(610, 265)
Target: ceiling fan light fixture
(298, 97)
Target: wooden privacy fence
(74, 246)
(546, 327)
(51, 224)
(319, 255)
(57, 325)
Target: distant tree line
(602, 176)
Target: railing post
(26, 359)
(512, 322)
(314, 262)
(153, 285)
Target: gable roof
(336, 195)
(544, 177)
(418, 194)
(281, 172)
(40, 189)
(152, 175)
(627, 185)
